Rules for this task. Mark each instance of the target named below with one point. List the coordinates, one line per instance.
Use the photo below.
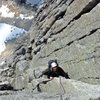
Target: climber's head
(54, 66)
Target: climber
(54, 70)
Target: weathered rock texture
(73, 90)
(15, 61)
(67, 30)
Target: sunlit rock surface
(67, 30)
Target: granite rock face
(69, 31)
(71, 89)
(66, 30)
(66, 90)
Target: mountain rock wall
(68, 30)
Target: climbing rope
(62, 90)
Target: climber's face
(54, 69)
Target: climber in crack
(54, 70)
(51, 72)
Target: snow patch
(2, 63)
(8, 32)
(2, 48)
(5, 12)
(25, 17)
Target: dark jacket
(59, 72)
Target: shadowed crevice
(87, 8)
(71, 42)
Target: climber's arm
(45, 72)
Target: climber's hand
(51, 78)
